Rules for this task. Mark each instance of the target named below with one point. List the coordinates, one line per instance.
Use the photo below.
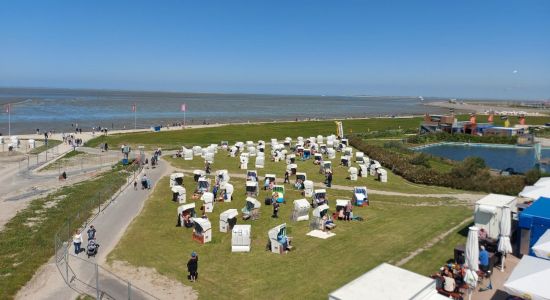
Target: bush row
(471, 174)
(464, 138)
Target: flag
(7, 107)
(183, 107)
(134, 107)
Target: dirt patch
(151, 281)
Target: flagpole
(135, 111)
(184, 117)
(9, 119)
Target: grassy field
(394, 227)
(280, 130)
(340, 173)
(26, 242)
(254, 132)
(63, 160)
(429, 261)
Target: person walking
(287, 177)
(77, 241)
(193, 266)
(276, 206)
(329, 178)
(347, 211)
(135, 185)
(91, 233)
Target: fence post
(97, 281)
(66, 245)
(98, 203)
(129, 291)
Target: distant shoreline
(498, 107)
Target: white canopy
(530, 278)
(273, 232)
(320, 191)
(543, 181)
(488, 209)
(542, 246)
(535, 191)
(388, 282)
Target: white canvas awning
(488, 209)
(388, 282)
(542, 246)
(529, 279)
(535, 191)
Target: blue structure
(533, 222)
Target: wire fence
(86, 276)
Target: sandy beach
(481, 108)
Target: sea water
(62, 109)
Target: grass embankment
(40, 149)
(312, 270)
(429, 261)
(232, 133)
(63, 160)
(27, 240)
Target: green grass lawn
(27, 240)
(395, 183)
(312, 270)
(254, 132)
(429, 261)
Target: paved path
(465, 197)
(111, 224)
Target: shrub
(471, 174)
(421, 159)
(532, 176)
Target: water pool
(501, 157)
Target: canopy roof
(542, 247)
(496, 200)
(388, 282)
(529, 279)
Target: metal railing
(84, 276)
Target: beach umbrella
(472, 259)
(504, 245)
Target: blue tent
(535, 220)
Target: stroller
(91, 249)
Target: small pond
(500, 157)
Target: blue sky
(429, 48)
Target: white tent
(240, 238)
(542, 247)
(530, 278)
(301, 210)
(227, 219)
(352, 173)
(488, 212)
(535, 191)
(388, 282)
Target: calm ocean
(57, 109)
